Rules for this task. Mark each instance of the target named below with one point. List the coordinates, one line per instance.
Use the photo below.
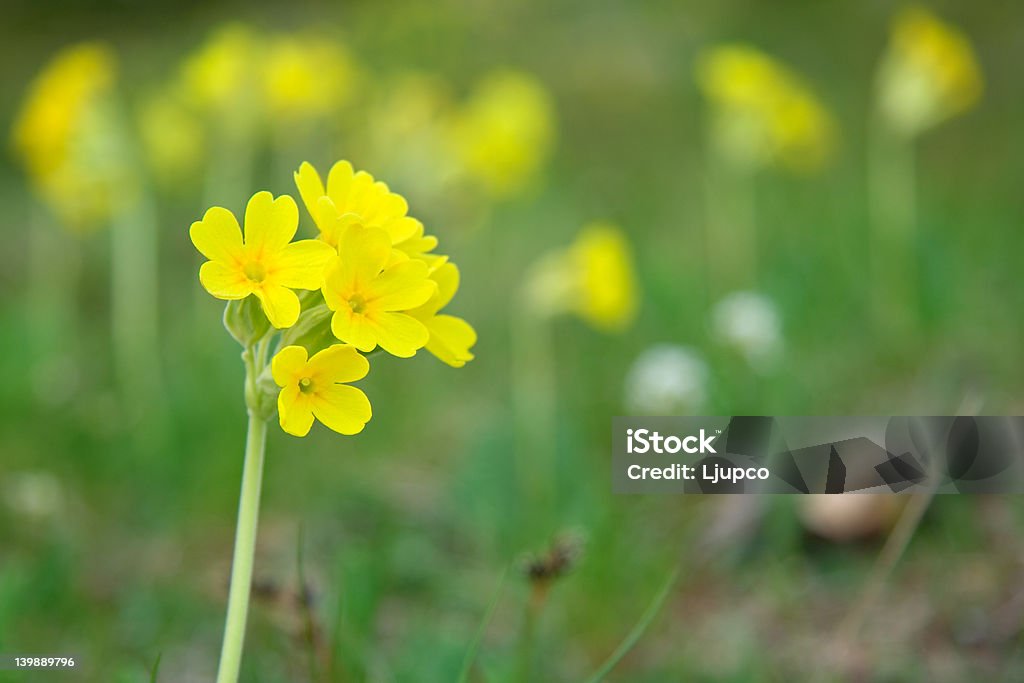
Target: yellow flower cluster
(495, 142)
(594, 278)
(762, 112)
(374, 271)
(505, 132)
(290, 78)
(58, 133)
(928, 74)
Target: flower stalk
(245, 531)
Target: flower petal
(287, 364)
(224, 281)
(450, 339)
(401, 228)
(311, 188)
(398, 334)
(342, 408)
(339, 179)
(329, 220)
(270, 223)
(338, 363)
(364, 252)
(217, 236)
(294, 411)
(338, 283)
(401, 287)
(300, 265)
(355, 329)
(447, 279)
(280, 304)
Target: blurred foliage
(116, 518)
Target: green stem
(535, 405)
(245, 537)
(731, 225)
(134, 299)
(53, 265)
(893, 256)
(631, 639)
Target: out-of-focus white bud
(666, 380)
(749, 323)
(37, 495)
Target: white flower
(666, 380)
(749, 323)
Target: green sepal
(312, 331)
(245, 321)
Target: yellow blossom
(928, 74)
(172, 136)
(762, 113)
(368, 290)
(316, 388)
(306, 76)
(451, 338)
(505, 132)
(593, 278)
(353, 197)
(221, 77)
(59, 133)
(266, 263)
(58, 103)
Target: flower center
(305, 385)
(357, 302)
(255, 271)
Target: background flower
(667, 379)
(928, 74)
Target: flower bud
(245, 320)
(312, 330)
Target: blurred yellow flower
(505, 133)
(928, 74)
(221, 77)
(267, 263)
(353, 197)
(59, 132)
(593, 277)
(451, 338)
(306, 77)
(316, 387)
(762, 113)
(172, 136)
(368, 290)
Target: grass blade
(474, 645)
(638, 630)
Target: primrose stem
(245, 537)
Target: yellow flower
(505, 132)
(221, 77)
(315, 387)
(593, 278)
(172, 136)
(368, 290)
(450, 337)
(266, 263)
(305, 77)
(353, 197)
(929, 73)
(58, 104)
(63, 139)
(762, 112)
